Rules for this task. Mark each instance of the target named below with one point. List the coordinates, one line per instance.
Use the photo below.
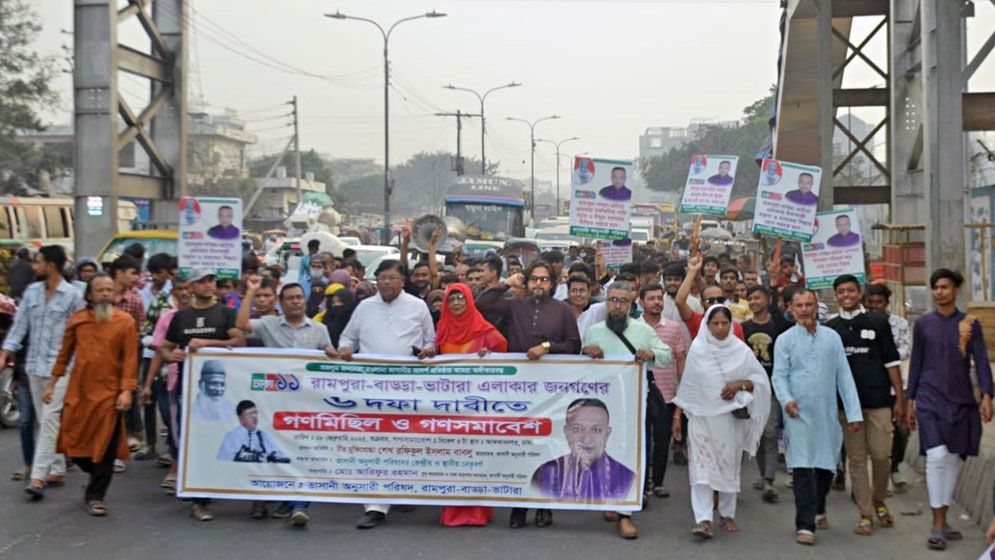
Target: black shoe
(680, 456)
(544, 517)
(517, 520)
(370, 520)
(36, 492)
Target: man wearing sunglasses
(537, 325)
(711, 295)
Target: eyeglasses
(457, 296)
(617, 300)
(715, 300)
(542, 279)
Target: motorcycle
(9, 414)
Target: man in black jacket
(874, 361)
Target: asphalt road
(145, 523)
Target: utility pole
(294, 143)
(297, 154)
(483, 122)
(460, 115)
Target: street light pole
(557, 144)
(483, 122)
(386, 105)
(532, 150)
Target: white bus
(38, 221)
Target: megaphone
(453, 233)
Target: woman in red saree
(463, 330)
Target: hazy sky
(609, 68)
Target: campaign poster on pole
(458, 429)
(210, 235)
(787, 199)
(600, 201)
(709, 185)
(836, 248)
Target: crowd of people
(743, 361)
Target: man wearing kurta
(102, 339)
(606, 338)
(810, 368)
(537, 325)
(941, 398)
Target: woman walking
(725, 394)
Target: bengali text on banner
(563, 432)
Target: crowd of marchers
(743, 361)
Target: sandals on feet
(884, 516)
(96, 508)
(702, 530)
(937, 540)
(821, 522)
(21, 474)
(865, 527)
(805, 537)
(952, 534)
(729, 524)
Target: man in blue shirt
(41, 319)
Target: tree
(311, 162)
(25, 87)
(420, 185)
(669, 172)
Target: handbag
(740, 413)
(632, 348)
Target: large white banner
(210, 235)
(836, 249)
(709, 185)
(600, 200)
(564, 432)
(787, 200)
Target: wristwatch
(546, 346)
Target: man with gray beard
(618, 335)
(101, 339)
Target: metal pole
(459, 143)
(386, 105)
(532, 137)
(297, 154)
(386, 145)
(557, 179)
(483, 129)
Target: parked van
(38, 221)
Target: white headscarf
(713, 363)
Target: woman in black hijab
(338, 311)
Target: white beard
(103, 312)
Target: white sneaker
(119, 466)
